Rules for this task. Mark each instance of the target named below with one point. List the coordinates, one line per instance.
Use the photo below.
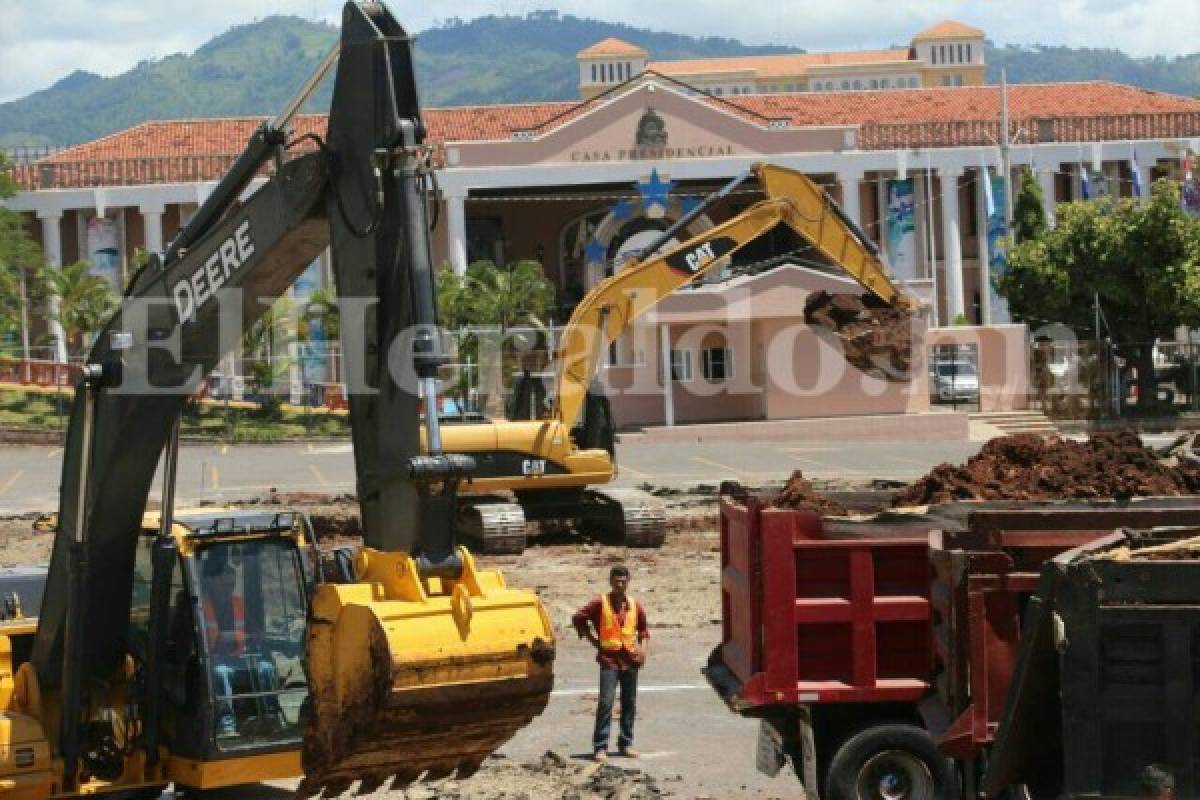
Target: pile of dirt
(1030, 467)
(876, 338)
(552, 776)
(798, 494)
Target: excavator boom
(792, 199)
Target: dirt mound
(797, 494)
(1030, 467)
(552, 776)
(876, 338)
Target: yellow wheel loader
(198, 650)
(557, 467)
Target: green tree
(21, 261)
(491, 295)
(269, 335)
(322, 308)
(85, 303)
(1141, 260)
(1029, 212)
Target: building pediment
(651, 120)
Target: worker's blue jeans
(609, 680)
(264, 674)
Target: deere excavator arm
(612, 305)
(427, 664)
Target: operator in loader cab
(615, 624)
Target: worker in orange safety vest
(615, 624)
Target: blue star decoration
(688, 202)
(594, 251)
(654, 190)
(622, 209)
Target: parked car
(954, 380)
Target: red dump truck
(880, 657)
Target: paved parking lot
(29, 476)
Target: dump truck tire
(889, 762)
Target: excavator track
(492, 528)
(637, 516)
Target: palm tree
(85, 302)
(262, 341)
(491, 296)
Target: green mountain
(256, 68)
(1043, 63)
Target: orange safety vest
(213, 627)
(615, 637)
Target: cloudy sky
(108, 37)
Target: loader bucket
(413, 677)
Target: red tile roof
(611, 46)
(197, 150)
(780, 66)
(948, 29)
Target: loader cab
(233, 667)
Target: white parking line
(671, 687)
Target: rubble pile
(552, 776)
(1030, 467)
(875, 338)
(797, 494)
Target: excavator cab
(232, 644)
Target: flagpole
(1004, 154)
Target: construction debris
(797, 494)
(554, 775)
(1030, 467)
(875, 337)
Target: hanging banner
(314, 351)
(997, 261)
(104, 250)
(901, 229)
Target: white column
(984, 254)
(456, 233)
(881, 237)
(152, 226)
(850, 198)
(664, 347)
(951, 242)
(52, 246)
(1046, 179)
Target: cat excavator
(557, 467)
(204, 649)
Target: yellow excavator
(557, 467)
(203, 649)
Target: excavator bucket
(415, 677)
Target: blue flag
(1138, 191)
(988, 197)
